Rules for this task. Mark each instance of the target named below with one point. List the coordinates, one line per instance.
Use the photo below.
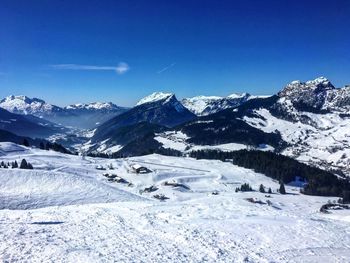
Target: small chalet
(140, 169)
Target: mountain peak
(156, 96)
(320, 84)
(24, 105)
(317, 82)
(205, 105)
(308, 95)
(13, 97)
(238, 95)
(22, 99)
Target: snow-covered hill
(66, 210)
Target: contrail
(166, 68)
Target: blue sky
(81, 51)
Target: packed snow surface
(66, 210)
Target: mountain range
(308, 121)
(80, 115)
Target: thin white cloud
(120, 69)
(166, 68)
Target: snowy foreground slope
(65, 210)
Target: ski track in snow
(66, 211)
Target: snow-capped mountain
(205, 105)
(90, 115)
(306, 120)
(153, 113)
(79, 115)
(168, 100)
(25, 105)
(316, 95)
(310, 95)
(93, 106)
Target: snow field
(72, 213)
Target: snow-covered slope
(177, 140)
(85, 217)
(205, 105)
(312, 118)
(324, 142)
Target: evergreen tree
(14, 164)
(42, 146)
(24, 164)
(282, 190)
(346, 197)
(26, 143)
(47, 146)
(269, 191)
(246, 187)
(262, 188)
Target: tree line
(23, 165)
(44, 145)
(284, 169)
